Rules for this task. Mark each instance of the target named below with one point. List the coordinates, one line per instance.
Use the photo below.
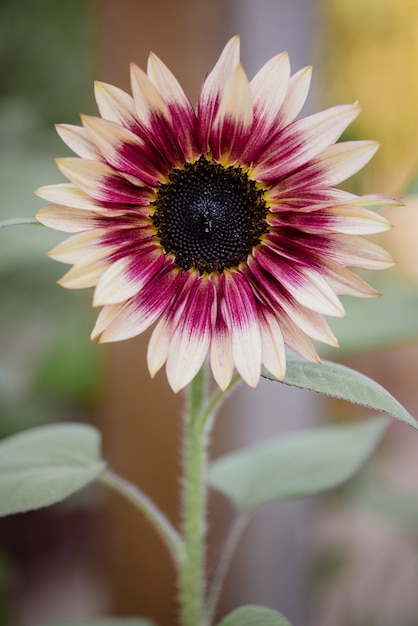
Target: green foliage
(252, 615)
(103, 621)
(295, 465)
(376, 323)
(44, 465)
(338, 381)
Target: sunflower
(221, 226)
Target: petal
(283, 303)
(76, 247)
(233, 121)
(302, 141)
(86, 272)
(67, 219)
(153, 113)
(141, 312)
(268, 89)
(274, 354)
(191, 339)
(332, 166)
(102, 182)
(125, 151)
(77, 139)
(128, 275)
(240, 313)
(304, 284)
(212, 89)
(115, 105)
(68, 195)
(346, 219)
(181, 110)
(295, 97)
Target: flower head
(223, 226)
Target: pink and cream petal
(302, 141)
(241, 316)
(183, 116)
(128, 275)
(102, 182)
(126, 152)
(332, 166)
(233, 121)
(190, 343)
(139, 313)
(212, 89)
(77, 139)
(305, 285)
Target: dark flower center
(208, 216)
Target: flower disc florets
(223, 227)
(208, 216)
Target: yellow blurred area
(369, 52)
(401, 240)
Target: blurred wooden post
(141, 418)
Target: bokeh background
(348, 558)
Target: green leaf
(252, 615)
(300, 464)
(44, 465)
(103, 621)
(342, 382)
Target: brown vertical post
(140, 417)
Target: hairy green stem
(192, 570)
(141, 501)
(199, 417)
(19, 221)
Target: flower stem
(198, 420)
(192, 569)
(19, 221)
(141, 501)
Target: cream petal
(222, 362)
(158, 346)
(85, 273)
(105, 317)
(148, 102)
(74, 248)
(115, 105)
(269, 87)
(67, 219)
(295, 97)
(67, 195)
(274, 354)
(77, 139)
